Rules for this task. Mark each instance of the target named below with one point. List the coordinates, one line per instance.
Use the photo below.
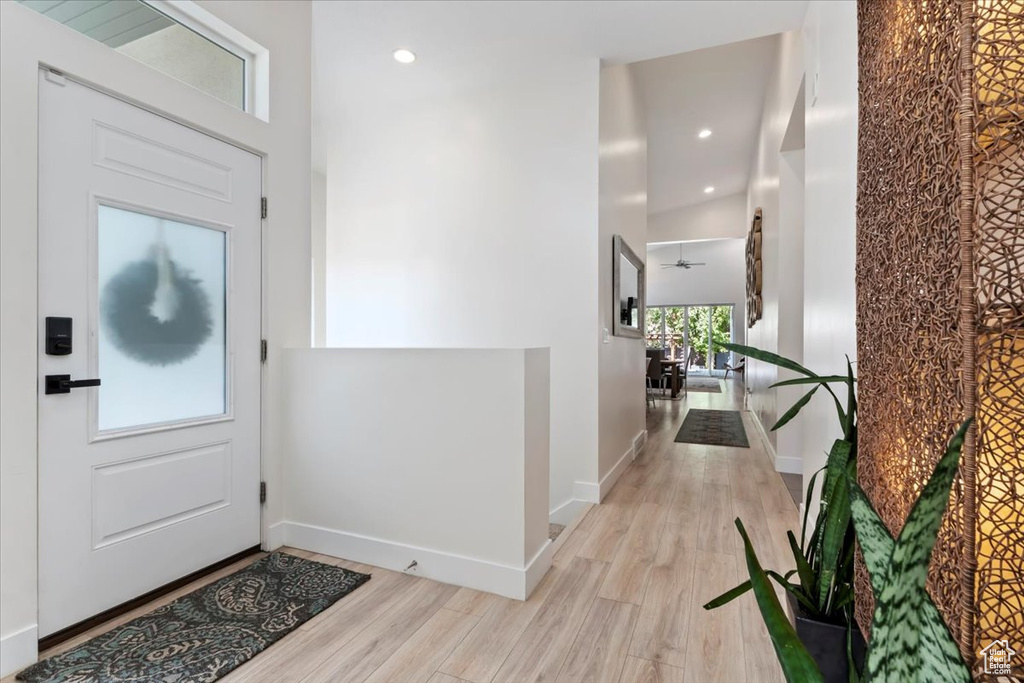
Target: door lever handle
(63, 384)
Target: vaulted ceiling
(463, 45)
(721, 89)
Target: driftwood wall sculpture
(754, 270)
(940, 291)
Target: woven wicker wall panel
(909, 345)
(999, 270)
(754, 303)
(940, 301)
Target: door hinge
(263, 492)
(263, 207)
(263, 350)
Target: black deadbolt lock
(58, 336)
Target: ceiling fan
(682, 263)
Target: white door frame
(29, 40)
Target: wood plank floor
(622, 602)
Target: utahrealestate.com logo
(998, 656)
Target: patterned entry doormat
(714, 428)
(203, 635)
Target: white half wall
(28, 39)
(471, 221)
(713, 219)
(396, 455)
(622, 172)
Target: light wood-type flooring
(621, 603)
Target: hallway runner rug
(203, 635)
(714, 428)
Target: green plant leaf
(796, 592)
(803, 569)
(916, 540)
(811, 380)
(876, 543)
(767, 357)
(797, 664)
(728, 596)
(851, 403)
(843, 417)
(807, 506)
(795, 408)
(909, 640)
(837, 523)
(836, 501)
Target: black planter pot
(827, 644)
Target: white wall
(789, 441)
(395, 455)
(318, 245)
(28, 39)
(623, 211)
(713, 219)
(830, 157)
(763, 192)
(471, 221)
(722, 281)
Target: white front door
(149, 242)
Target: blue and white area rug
(203, 635)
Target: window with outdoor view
(692, 332)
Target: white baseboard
(19, 649)
(587, 491)
(789, 465)
(274, 538)
(639, 444)
(608, 481)
(538, 566)
(762, 434)
(567, 511)
(491, 577)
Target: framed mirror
(627, 290)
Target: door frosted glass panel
(161, 335)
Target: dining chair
(735, 369)
(651, 403)
(655, 371)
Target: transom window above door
(176, 39)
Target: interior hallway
(621, 603)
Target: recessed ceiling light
(404, 56)
(705, 133)
(709, 189)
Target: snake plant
(824, 561)
(910, 642)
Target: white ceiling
(719, 88)
(465, 44)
